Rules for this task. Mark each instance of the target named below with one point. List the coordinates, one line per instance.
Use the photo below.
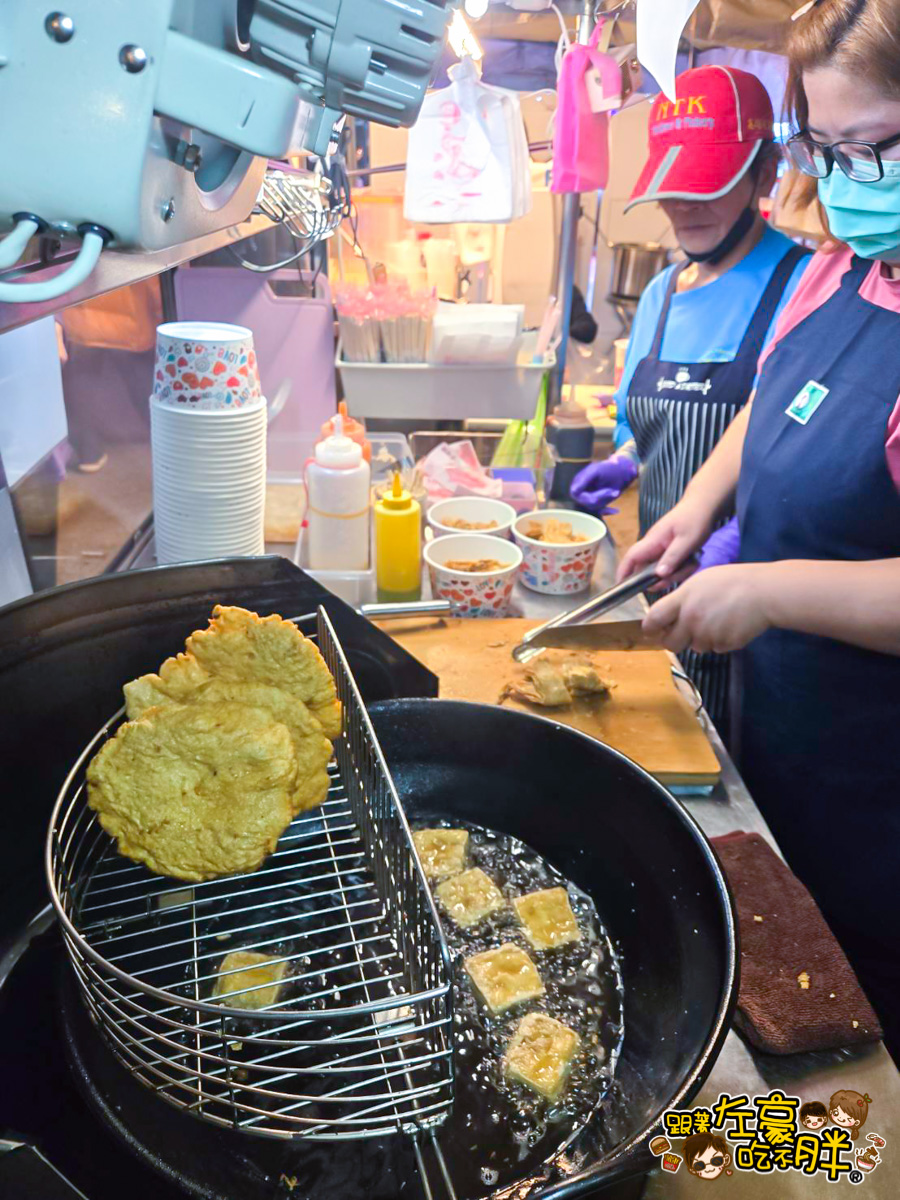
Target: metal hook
(678, 673)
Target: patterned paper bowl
(559, 569)
(476, 509)
(206, 366)
(473, 593)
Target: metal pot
(621, 837)
(633, 268)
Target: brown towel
(785, 944)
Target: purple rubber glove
(595, 487)
(721, 547)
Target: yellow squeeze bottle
(398, 545)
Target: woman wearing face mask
(701, 324)
(814, 462)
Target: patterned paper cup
(559, 569)
(205, 366)
(477, 510)
(473, 593)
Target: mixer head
(147, 125)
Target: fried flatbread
(245, 648)
(312, 747)
(178, 678)
(196, 790)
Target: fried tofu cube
(504, 977)
(583, 679)
(470, 897)
(442, 851)
(540, 1054)
(547, 918)
(248, 969)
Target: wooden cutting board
(645, 716)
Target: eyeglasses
(860, 161)
(718, 1160)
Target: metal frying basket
(359, 1042)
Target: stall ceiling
(748, 24)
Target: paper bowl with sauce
(471, 514)
(561, 566)
(475, 572)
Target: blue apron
(678, 412)
(820, 720)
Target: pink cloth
(818, 283)
(454, 470)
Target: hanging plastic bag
(581, 131)
(520, 155)
(463, 164)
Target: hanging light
(462, 40)
(476, 8)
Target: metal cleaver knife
(602, 635)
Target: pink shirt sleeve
(819, 282)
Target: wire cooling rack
(358, 1042)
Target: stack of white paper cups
(208, 435)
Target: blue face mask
(864, 215)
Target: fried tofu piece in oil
(243, 969)
(504, 977)
(547, 918)
(442, 852)
(540, 1054)
(469, 897)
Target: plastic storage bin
(354, 587)
(405, 391)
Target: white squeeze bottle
(338, 504)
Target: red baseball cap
(701, 143)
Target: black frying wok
(614, 832)
(621, 837)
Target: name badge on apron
(805, 403)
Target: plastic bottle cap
(337, 450)
(396, 498)
(352, 427)
(570, 411)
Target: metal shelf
(118, 268)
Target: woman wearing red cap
(700, 325)
(814, 465)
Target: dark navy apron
(678, 412)
(820, 719)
